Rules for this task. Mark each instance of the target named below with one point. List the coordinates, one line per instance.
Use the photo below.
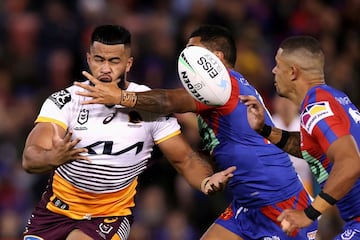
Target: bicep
(42, 134)
(344, 149)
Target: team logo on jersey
(313, 113)
(60, 98)
(83, 116)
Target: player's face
(282, 71)
(109, 62)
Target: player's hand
(292, 219)
(101, 92)
(255, 112)
(64, 149)
(217, 181)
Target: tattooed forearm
(153, 101)
(204, 163)
(292, 145)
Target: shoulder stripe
(51, 120)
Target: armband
(265, 131)
(283, 139)
(128, 99)
(329, 199)
(311, 212)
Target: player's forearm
(194, 169)
(36, 160)
(163, 101)
(287, 141)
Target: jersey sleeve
(326, 121)
(165, 128)
(54, 109)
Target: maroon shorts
(46, 225)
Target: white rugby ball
(204, 76)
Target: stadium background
(42, 48)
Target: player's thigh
(217, 232)
(78, 234)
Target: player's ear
(294, 73)
(220, 55)
(129, 64)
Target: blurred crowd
(42, 49)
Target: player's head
(109, 57)
(111, 35)
(298, 57)
(217, 39)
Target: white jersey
(119, 142)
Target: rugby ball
(204, 76)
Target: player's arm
(344, 154)
(345, 172)
(47, 146)
(162, 101)
(288, 141)
(196, 170)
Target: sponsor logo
(60, 98)
(60, 204)
(109, 118)
(227, 214)
(272, 238)
(313, 113)
(311, 235)
(354, 113)
(83, 116)
(343, 100)
(210, 65)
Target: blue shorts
(351, 231)
(261, 223)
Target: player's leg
(77, 234)
(217, 232)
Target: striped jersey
(265, 174)
(119, 142)
(326, 115)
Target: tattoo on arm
(292, 145)
(153, 101)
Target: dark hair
(111, 35)
(308, 43)
(217, 38)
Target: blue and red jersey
(265, 174)
(326, 115)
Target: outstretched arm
(48, 146)
(287, 141)
(196, 169)
(162, 101)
